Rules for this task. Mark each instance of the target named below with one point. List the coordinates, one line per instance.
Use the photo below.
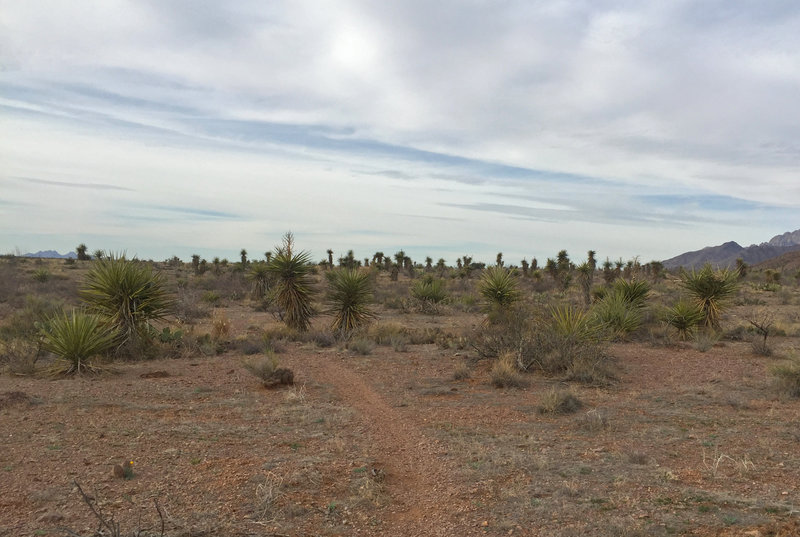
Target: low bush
(787, 377)
(76, 339)
(361, 345)
(504, 373)
(557, 401)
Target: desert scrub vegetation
(711, 291)
(128, 296)
(348, 299)
(429, 293)
(499, 287)
(684, 317)
(75, 339)
(294, 286)
(267, 369)
(620, 310)
(787, 377)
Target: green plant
(259, 275)
(684, 316)
(498, 286)
(349, 294)
(294, 292)
(711, 291)
(634, 292)
(618, 314)
(128, 295)
(75, 339)
(41, 275)
(429, 292)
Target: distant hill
(52, 254)
(725, 255)
(788, 262)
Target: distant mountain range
(725, 255)
(52, 254)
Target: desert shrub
(499, 287)
(705, 339)
(294, 287)
(619, 316)
(429, 293)
(787, 376)
(275, 339)
(75, 339)
(22, 323)
(634, 292)
(361, 345)
(557, 401)
(504, 373)
(684, 317)
(399, 343)
(220, 328)
(383, 332)
(348, 299)
(41, 275)
(20, 355)
(210, 297)
(462, 371)
(266, 368)
(127, 295)
(260, 279)
(711, 291)
(322, 339)
(187, 306)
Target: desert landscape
(454, 400)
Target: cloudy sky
(167, 128)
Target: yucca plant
(498, 286)
(75, 339)
(574, 324)
(711, 291)
(617, 314)
(684, 316)
(429, 290)
(294, 292)
(128, 295)
(259, 275)
(349, 295)
(634, 292)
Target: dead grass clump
(361, 345)
(638, 457)
(399, 343)
(268, 495)
(382, 333)
(322, 339)
(559, 402)
(266, 368)
(462, 371)
(505, 374)
(593, 421)
(787, 378)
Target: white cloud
(339, 117)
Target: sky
(449, 128)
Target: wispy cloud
(92, 186)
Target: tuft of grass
(361, 345)
(787, 376)
(504, 373)
(462, 371)
(559, 402)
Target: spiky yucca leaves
(429, 289)
(618, 314)
(294, 292)
(75, 339)
(349, 296)
(574, 324)
(683, 317)
(259, 275)
(711, 290)
(126, 294)
(634, 292)
(498, 286)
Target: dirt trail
(424, 497)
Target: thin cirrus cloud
(631, 129)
